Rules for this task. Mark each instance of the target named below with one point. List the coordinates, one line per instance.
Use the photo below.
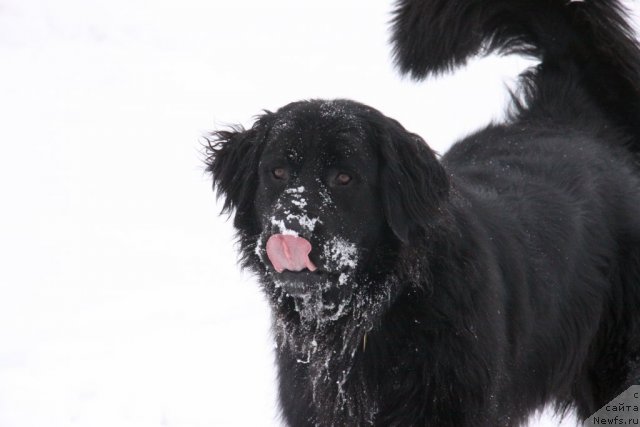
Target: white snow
(305, 221)
(121, 303)
(295, 190)
(340, 254)
(282, 229)
(299, 218)
(302, 203)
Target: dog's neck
(328, 357)
(325, 356)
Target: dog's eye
(343, 178)
(280, 173)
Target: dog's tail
(585, 46)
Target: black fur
(469, 290)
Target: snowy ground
(120, 301)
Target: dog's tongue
(289, 253)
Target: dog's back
(557, 186)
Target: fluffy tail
(587, 44)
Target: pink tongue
(289, 253)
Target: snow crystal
(336, 110)
(292, 190)
(293, 154)
(340, 254)
(281, 125)
(325, 196)
(301, 203)
(343, 278)
(340, 311)
(258, 249)
(282, 228)
(304, 221)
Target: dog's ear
(413, 183)
(232, 159)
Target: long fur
(486, 284)
(586, 43)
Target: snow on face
(339, 259)
(285, 215)
(340, 254)
(296, 190)
(300, 207)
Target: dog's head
(325, 192)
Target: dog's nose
(303, 223)
(294, 221)
(288, 252)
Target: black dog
(470, 290)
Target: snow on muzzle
(287, 252)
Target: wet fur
(497, 279)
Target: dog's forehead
(322, 130)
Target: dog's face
(325, 192)
(316, 201)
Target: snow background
(121, 303)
